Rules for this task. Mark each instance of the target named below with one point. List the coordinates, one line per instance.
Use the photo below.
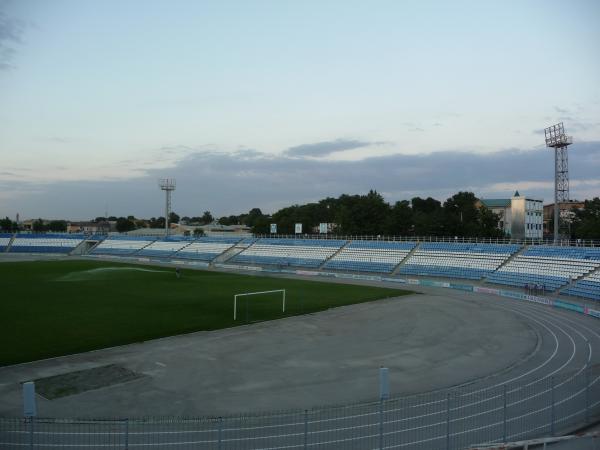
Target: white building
(520, 217)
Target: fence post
(504, 417)
(587, 394)
(381, 424)
(305, 429)
(448, 421)
(552, 409)
(126, 434)
(31, 419)
(220, 433)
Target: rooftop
(496, 202)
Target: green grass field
(52, 308)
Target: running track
(557, 388)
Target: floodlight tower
(167, 185)
(557, 139)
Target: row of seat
(391, 245)
(587, 287)
(552, 271)
(163, 248)
(471, 273)
(360, 266)
(275, 251)
(46, 243)
(522, 280)
(4, 241)
(302, 242)
(460, 260)
(203, 248)
(559, 252)
(121, 246)
(461, 247)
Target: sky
(272, 103)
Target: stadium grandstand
(290, 252)
(122, 245)
(550, 266)
(206, 248)
(458, 260)
(568, 270)
(5, 239)
(587, 287)
(45, 243)
(370, 256)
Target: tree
(8, 225)
(488, 223)
(401, 219)
(198, 232)
(461, 215)
(261, 225)
(57, 225)
(426, 206)
(362, 214)
(173, 218)
(586, 223)
(206, 218)
(156, 223)
(253, 215)
(38, 226)
(124, 224)
(427, 217)
(229, 220)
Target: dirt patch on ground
(72, 383)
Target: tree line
(460, 215)
(370, 214)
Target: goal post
(246, 294)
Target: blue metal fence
(448, 420)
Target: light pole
(167, 185)
(559, 141)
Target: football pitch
(54, 308)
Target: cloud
(227, 183)
(11, 31)
(326, 148)
(583, 126)
(561, 110)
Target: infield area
(54, 308)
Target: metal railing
(449, 420)
(457, 239)
(452, 239)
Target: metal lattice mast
(167, 185)
(557, 139)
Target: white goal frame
(235, 297)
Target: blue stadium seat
(46, 243)
(587, 287)
(550, 266)
(457, 260)
(4, 241)
(309, 253)
(370, 256)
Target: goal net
(268, 306)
